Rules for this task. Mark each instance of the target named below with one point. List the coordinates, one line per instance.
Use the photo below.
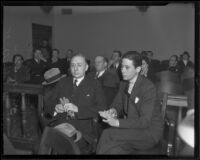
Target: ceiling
(57, 9)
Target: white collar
(38, 61)
(101, 73)
(131, 84)
(132, 81)
(79, 80)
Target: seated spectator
(154, 64)
(144, 53)
(17, 72)
(55, 62)
(135, 115)
(171, 64)
(108, 78)
(66, 62)
(37, 65)
(146, 71)
(114, 63)
(77, 100)
(45, 50)
(185, 62)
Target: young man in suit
(79, 98)
(135, 114)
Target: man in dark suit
(37, 65)
(135, 115)
(108, 78)
(114, 63)
(79, 98)
(154, 64)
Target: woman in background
(146, 71)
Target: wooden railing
(22, 89)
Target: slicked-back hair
(134, 56)
(175, 56)
(80, 55)
(119, 53)
(17, 55)
(57, 50)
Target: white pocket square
(136, 99)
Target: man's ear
(138, 69)
(86, 67)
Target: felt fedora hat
(52, 75)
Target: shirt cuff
(117, 122)
(55, 113)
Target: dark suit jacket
(36, 70)
(182, 66)
(118, 71)
(110, 84)
(22, 75)
(145, 114)
(88, 97)
(155, 65)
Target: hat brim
(47, 83)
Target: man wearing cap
(79, 98)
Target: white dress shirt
(100, 73)
(131, 84)
(78, 80)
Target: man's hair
(186, 53)
(17, 55)
(57, 50)
(175, 56)
(35, 49)
(119, 52)
(104, 58)
(80, 55)
(151, 52)
(134, 56)
(146, 59)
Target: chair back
(55, 142)
(168, 76)
(169, 87)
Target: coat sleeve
(118, 102)
(148, 102)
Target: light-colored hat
(69, 130)
(52, 75)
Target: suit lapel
(136, 88)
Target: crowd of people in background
(87, 90)
(32, 70)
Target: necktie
(75, 83)
(97, 75)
